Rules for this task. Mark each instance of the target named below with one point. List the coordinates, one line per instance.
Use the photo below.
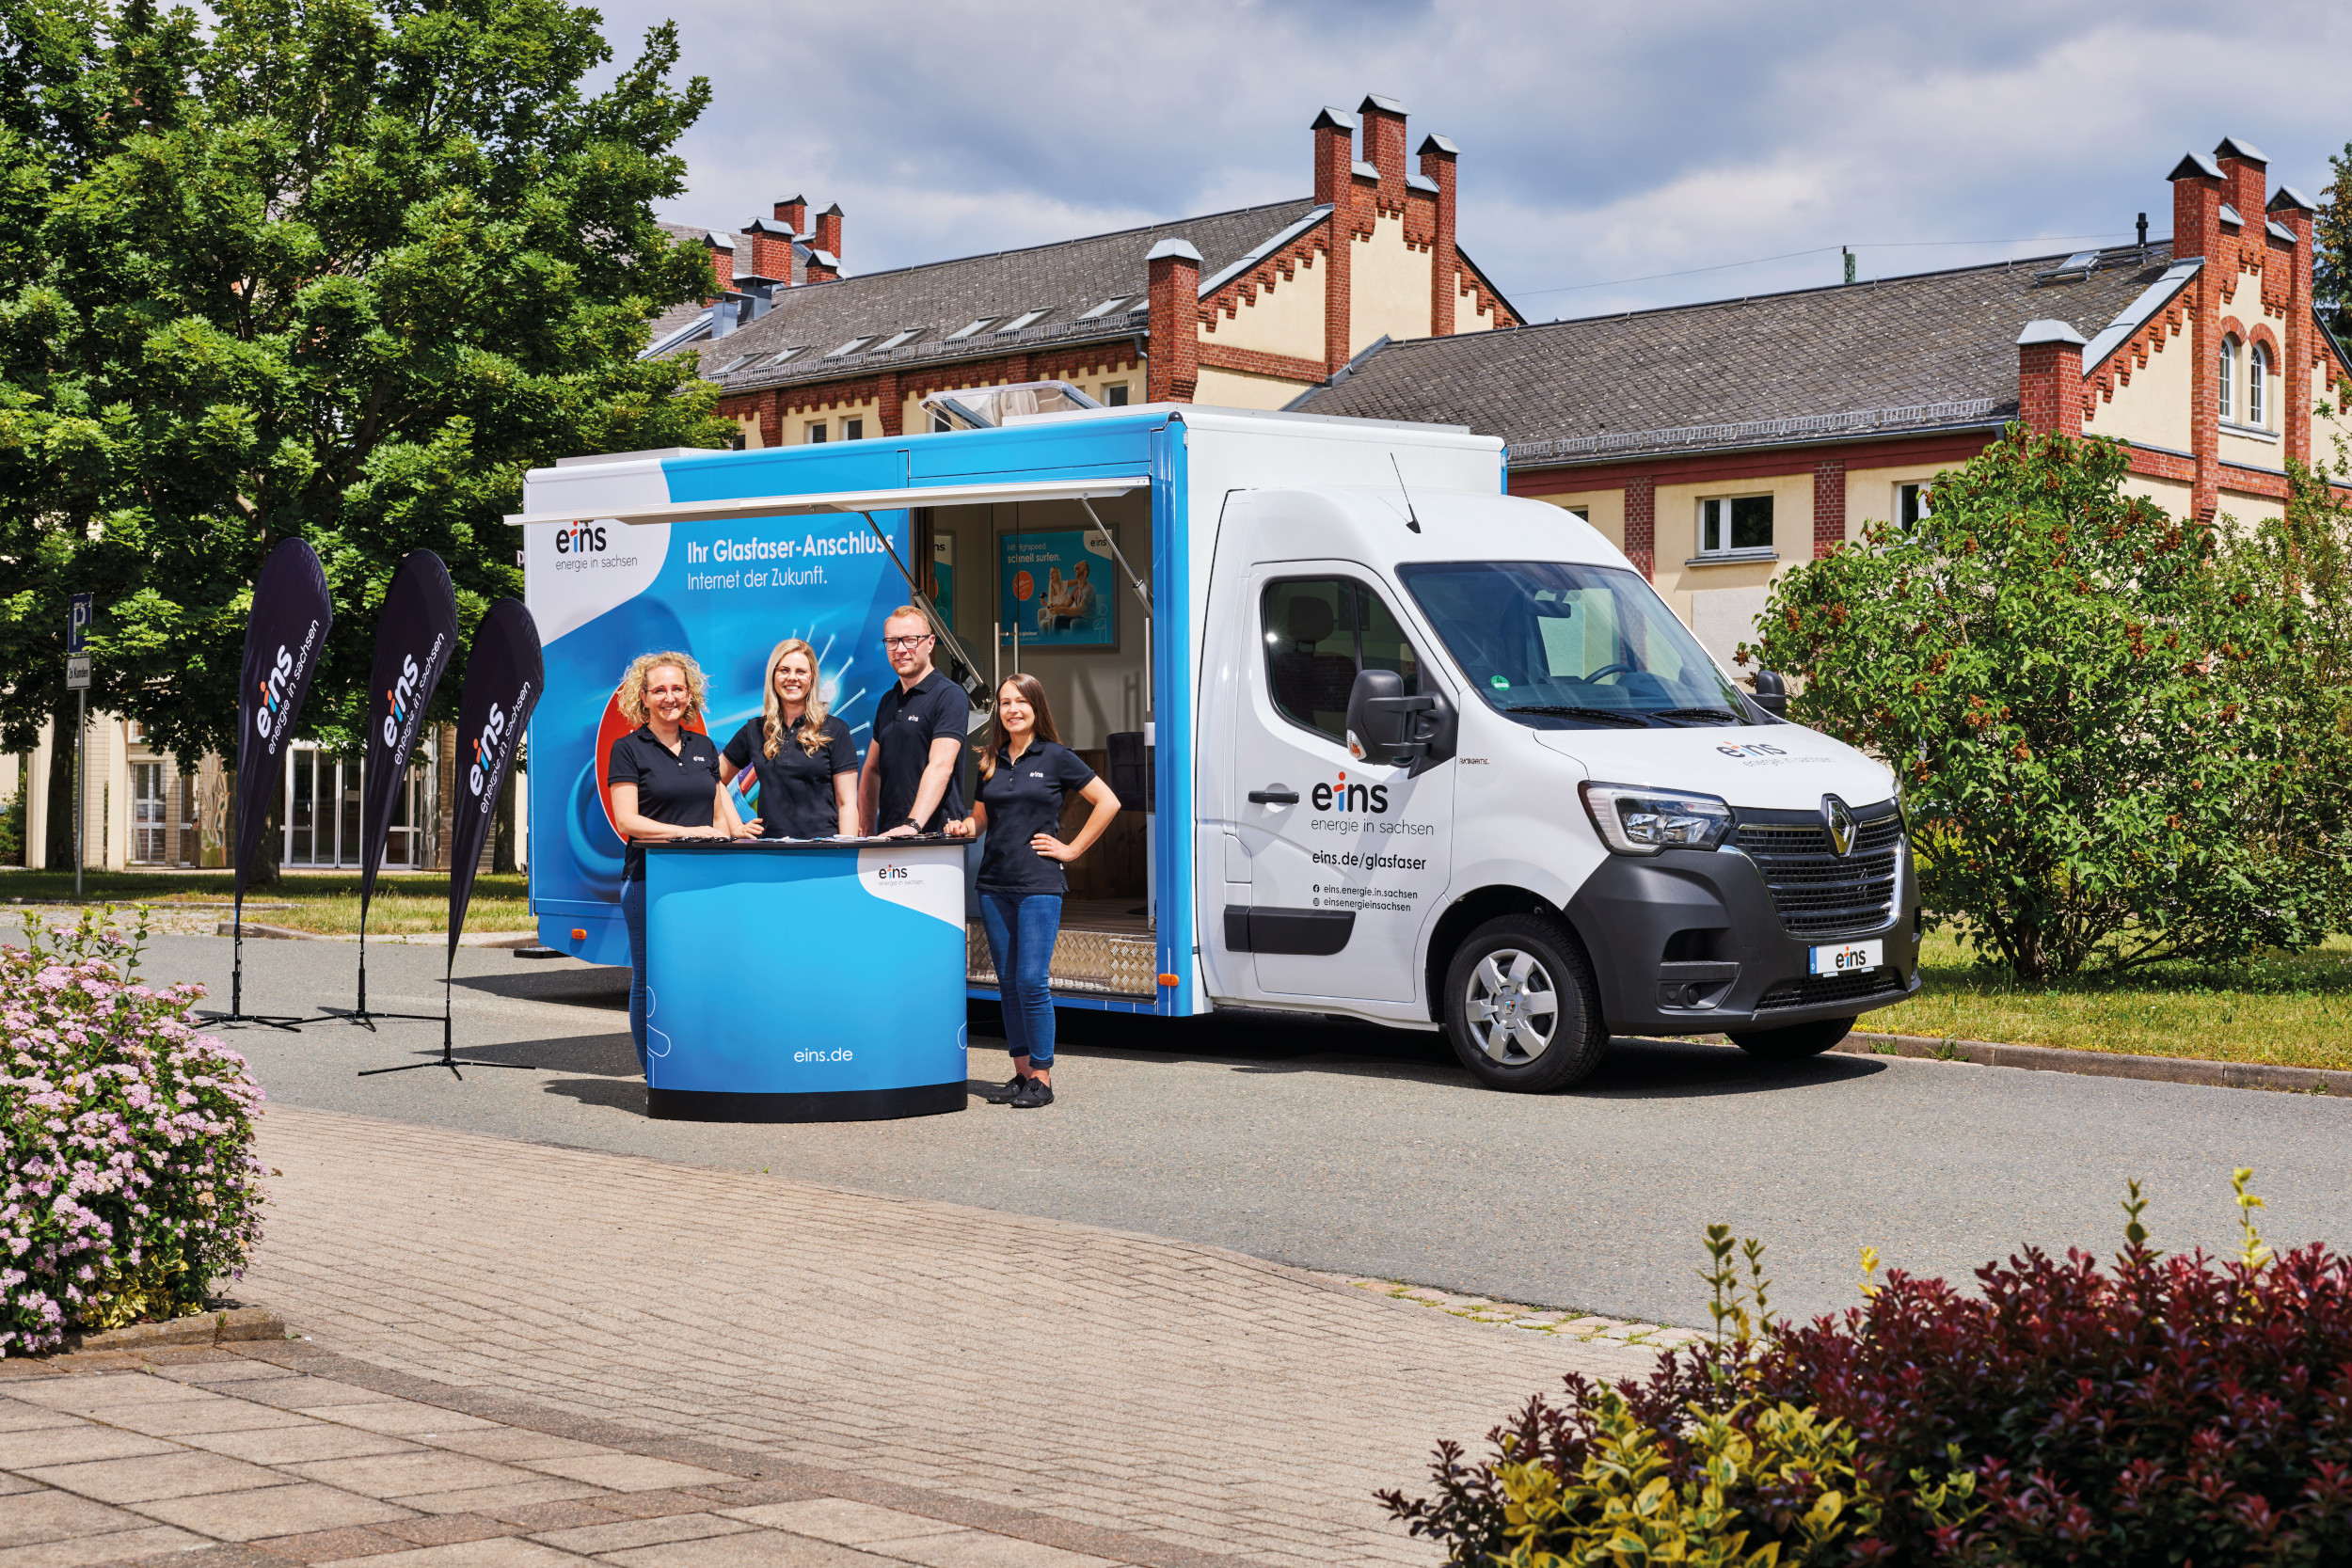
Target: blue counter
(818, 982)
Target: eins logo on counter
(1370, 800)
(580, 538)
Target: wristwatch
(912, 823)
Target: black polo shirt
(677, 787)
(905, 724)
(1023, 799)
(796, 798)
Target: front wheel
(1521, 1008)
(1795, 1042)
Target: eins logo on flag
(265, 720)
(402, 695)
(485, 748)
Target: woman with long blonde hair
(665, 784)
(1027, 774)
(801, 763)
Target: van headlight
(1634, 821)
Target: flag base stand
(448, 1058)
(361, 1014)
(237, 1013)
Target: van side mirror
(1389, 729)
(1771, 693)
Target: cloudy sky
(1602, 145)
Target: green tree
(2094, 708)
(339, 270)
(2332, 246)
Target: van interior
(1032, 587)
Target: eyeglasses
(906, 641)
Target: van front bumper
(1692, 943)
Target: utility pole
(78, 610)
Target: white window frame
(1026, 318)
(853, 430)
(1115, 394)
(2229, 378)
(1716, 510)
(968, 328)
(2257, 403)
(1915, 492)
(814, 434)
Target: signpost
(78, 610)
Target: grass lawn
(2295, 1009)
(405, 905)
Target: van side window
(1319, 632)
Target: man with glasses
(909, 785)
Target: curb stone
(228, 1325)
(2100, 1064)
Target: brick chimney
(1384, 144)
(2050, 377)
(1334, 131)
(771, 248)
(2245, 178)
(829, 232)
(792, 212)
(1436, 166)
(2197, 197)
(2293, 210)
(1175, 322)
(721, 249)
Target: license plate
(1849, 957)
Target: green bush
(2104, 717)
(12, 820)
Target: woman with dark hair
(1025, 775)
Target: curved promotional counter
(794, 981)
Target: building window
(1731, 524)
(1910, 504)
(2229, 378)
(815, 432)
(1115, 394)
(1581, 513)
(940, 425)
(853, 430)
(150, 828)
(2257, 403)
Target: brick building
(1720, 444)
(1246, 308)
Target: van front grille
(1819, 990)
(1818, 894)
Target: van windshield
(1553, 643)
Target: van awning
(848, 500)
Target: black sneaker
(1006, 1092)
(1033, 1092)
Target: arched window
(2257, 403)
(2229, 378)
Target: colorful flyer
(1057, 588)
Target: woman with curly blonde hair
(665, 785)
(801, 763)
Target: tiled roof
(1935, 349)
(1061, 281)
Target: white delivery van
(1400, 746)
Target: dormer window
(1026, 318)
(968, 328)
(2229, 378)
(2257, 370)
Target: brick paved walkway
(1190, 1399)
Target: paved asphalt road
(1363, 1150)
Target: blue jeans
(1020, 933)
(633, 914)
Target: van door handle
(1274, 796)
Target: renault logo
(1839, 821)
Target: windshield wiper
(1722, 714)
(1605, 716)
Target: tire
(1521, 1008)
(1795, 1042)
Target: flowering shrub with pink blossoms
(130, 1185)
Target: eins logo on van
(580, 538)
(273, 693)
(1354, 797)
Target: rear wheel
(1519, 1006)
(1795, 1042)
